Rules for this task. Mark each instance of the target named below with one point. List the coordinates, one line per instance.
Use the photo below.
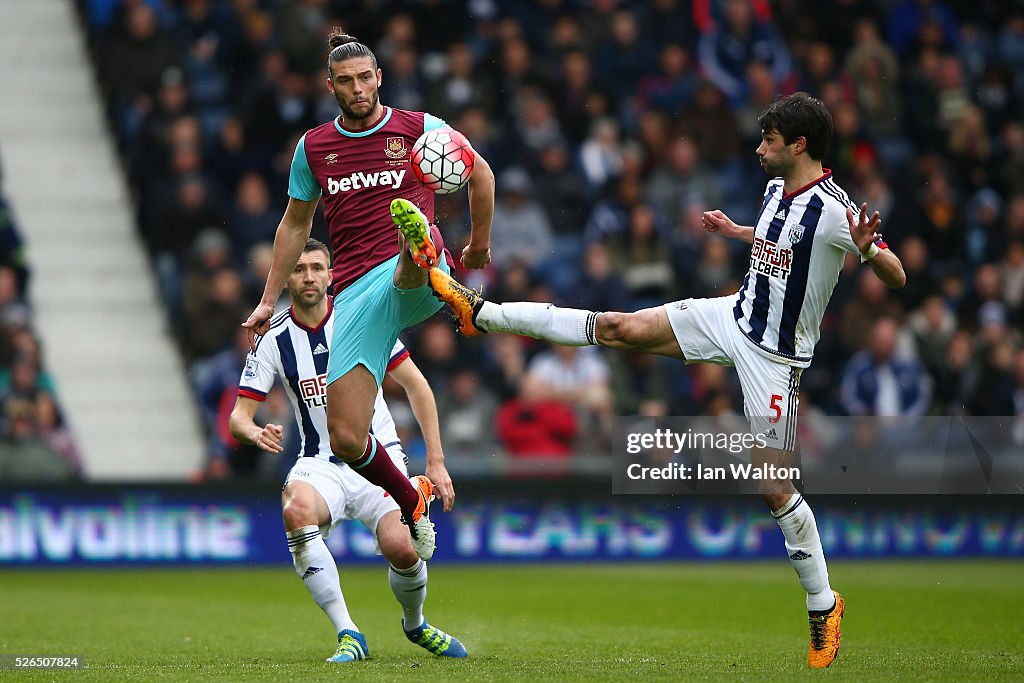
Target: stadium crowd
(611, 126)
(36, 444)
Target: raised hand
(864, 230)
(716, 221)
(258, 322)
(473, 257)
(270, 438)
(438, 473)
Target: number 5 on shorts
(776, 407)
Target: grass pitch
(927, 621)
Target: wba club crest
(395, 148)
(796, 233)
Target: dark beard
(775, 170)
(348, 115)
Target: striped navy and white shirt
(800, 242)
(298, 355)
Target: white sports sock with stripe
(410, 589)
(803, 545)
(565, 326)
(315, 566)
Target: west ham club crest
(395, 148)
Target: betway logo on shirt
(359, 180)
(768, 258)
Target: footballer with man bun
(359, 165)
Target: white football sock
(565, 326)
(410, 589)
(803, 545)
(315, 566)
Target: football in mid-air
(442, 159)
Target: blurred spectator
(818, 71)
(957, 376)
(54, 432)
(932, 328)
(404, 87)
(626, 57)
(876, 382)
(875, 73)
(1012, 273)
(643, 258)
(577, 376)
(537, 126)
(211, 317)
(733, 43)
(921, 103)
(859, 314)
(672, 87)
(714, 271)
(469, 408)
(601, 154)
(917, 265)
(301, 33)
(917, 23)
(682, 181)
(506, 364)
(436, 346)
(460, 87)
(610, 216)
(762, 89)
(575, 88)
(669, 22)
(983, 239)
(598, 288)
(12, 247)
(252, 219)
(538, 431)
(521, 230)
(561, 190)
(639, 382)
(710, 122)
(133, 61)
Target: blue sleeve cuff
(430, 122)
(301, 183)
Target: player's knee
(394, 542)
(400, 555)
(345, 443)
(774, 492)
(298, 512)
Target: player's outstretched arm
(477, 253)
(292, 233)
(889, 268)
(864, 231)
(244, 429)
(717, 221)
(424, 408)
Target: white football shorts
(348, 495)
(707, 333)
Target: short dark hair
(342, 46)
(313, 244)
(800, 115)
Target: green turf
(914, 621)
